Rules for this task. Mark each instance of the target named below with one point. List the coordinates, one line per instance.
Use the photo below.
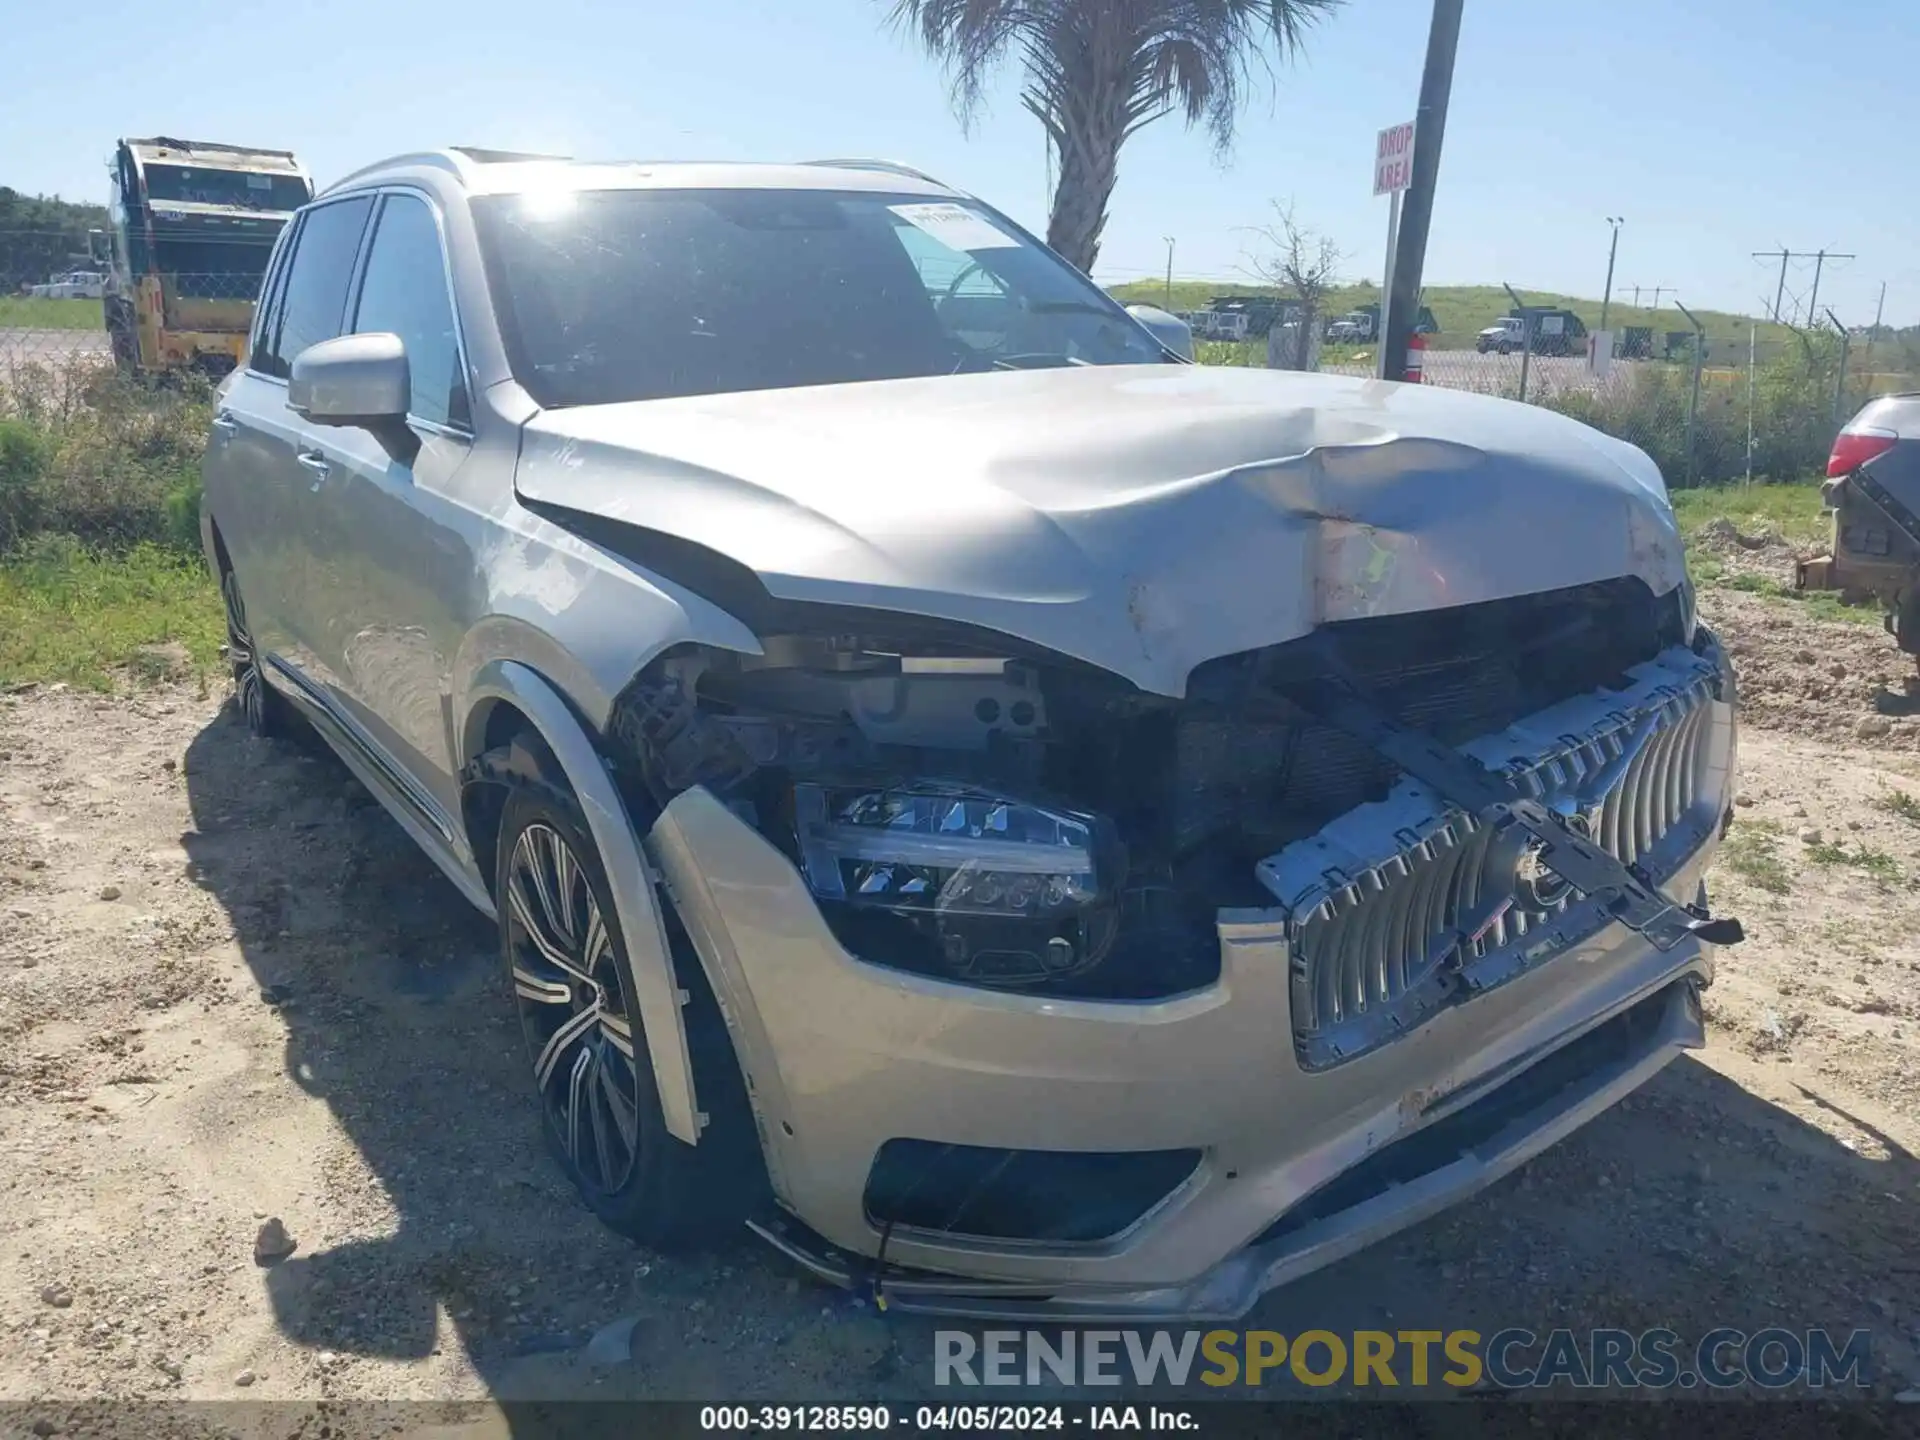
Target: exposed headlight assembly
(998, 890)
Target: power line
(1819, 258)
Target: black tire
(120, 335)
(593, 1077)
(265, 711)
(1906, 620)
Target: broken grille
(1380, 898)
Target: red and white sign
(1393, 159)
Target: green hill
(1464, 310)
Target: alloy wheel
(572, 998)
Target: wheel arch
(212, 547)
(507, 697)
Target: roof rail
(482, 156)
(885, 167)
(450, 161)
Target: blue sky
(1716, 127)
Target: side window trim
(386, 193)
(347, 298)
(267, 318)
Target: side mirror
(1169, 329)
(359, 381)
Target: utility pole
(1169, 240)
(1607, 294)
(1874, 334)
(1780, 289)
(1658, 291)
(1819, 258)
(1636, 294)
(1699, 359)
(1402, 300)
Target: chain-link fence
(187, 320)
(1708, 413)
(104, 409)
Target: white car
(74, 285)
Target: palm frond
(1095, 71)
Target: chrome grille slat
(1657, 789)
(1607, 832)
(1669, 784)
(1355, 993)
(1361, 938)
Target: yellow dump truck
(190, 228)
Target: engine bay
(1021, 821)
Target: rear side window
(267, 317)
(313, 302)
(403, 291)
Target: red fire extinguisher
(1416, 345)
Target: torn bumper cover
(1452, 978)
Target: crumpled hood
(1142, 518)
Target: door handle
(225, 427)
(315, 464)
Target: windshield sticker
(956, 227)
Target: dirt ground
(231, 990)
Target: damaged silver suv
(1025, 823)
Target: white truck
(1353, 328)
(1506, 335)
(73, 285)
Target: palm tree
(1098, 70)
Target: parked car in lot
(1873, 490)
(1027, 824)
(74, 285)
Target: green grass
(1253, 353)
(72, 614)
(29, 312)
(1752, 852)
(1900, 803)
(1877, 863)
(1792, 511)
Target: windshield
(614, 295)
(198, 185)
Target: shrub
(26, 455)
(111, 461)
(1792, 403)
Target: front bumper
(842, 1056)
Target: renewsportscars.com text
(1513, 1359)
